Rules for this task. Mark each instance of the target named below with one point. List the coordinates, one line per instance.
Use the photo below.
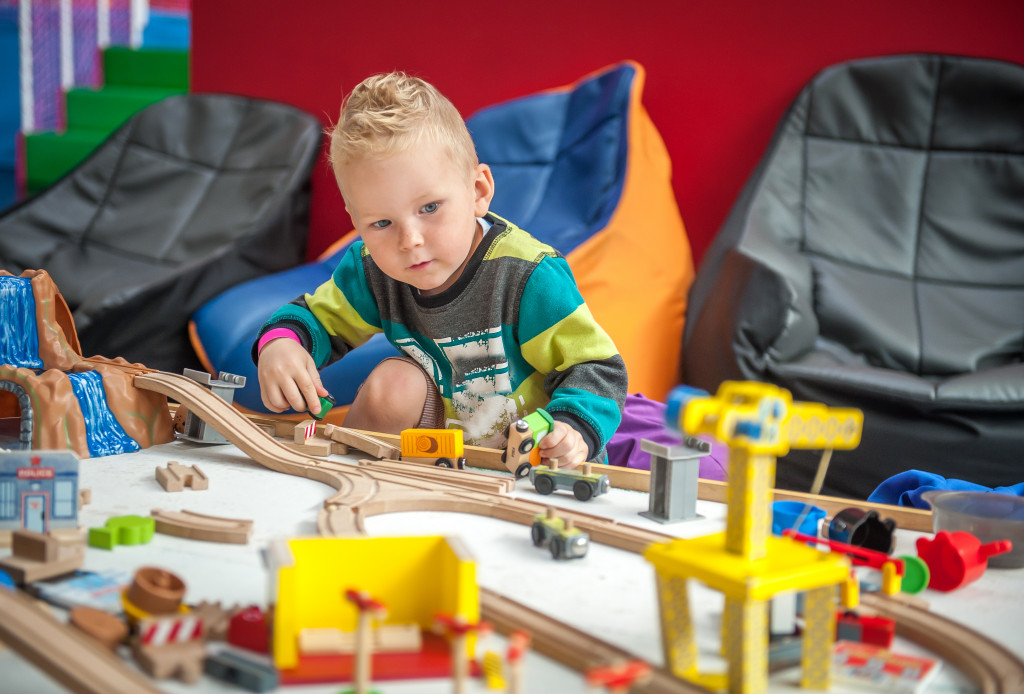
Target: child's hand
(564, 443)
(288, 377)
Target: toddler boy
(489, 319)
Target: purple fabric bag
(643, 418)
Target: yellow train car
(442, 447)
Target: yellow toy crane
(758, 421)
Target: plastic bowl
(986, 515)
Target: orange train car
(444, 447)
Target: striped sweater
(511, 335)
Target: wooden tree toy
(368, 609)
(518, 644)
(617, 678)
(458, 629)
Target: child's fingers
(564, 444)
(314, 376)
(310, 399)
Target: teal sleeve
(585, 376)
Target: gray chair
(191, 196)
(875, 259)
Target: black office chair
(875, 259)
(189, 197)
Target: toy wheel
(444, 462)
(582, 491)
(544, 485)
(526, 446)
(523, 471)
(537, 534)
(557, 548)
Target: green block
(48, 156)
(145, 67)
(108, 108)
(123, 530)
(101, 538)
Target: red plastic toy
(248, 629)
(957, 558)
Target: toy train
(562, 538)
(584, 484)
(442, 447)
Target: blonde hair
(388, 113)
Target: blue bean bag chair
(583, 169)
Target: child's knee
(397, 381)
(393, 395)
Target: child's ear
(483, 186)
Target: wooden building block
(175, 477)
(304, 430)
(28, 544)
(387, 638)
(22, 570)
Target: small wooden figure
(458, 629)
(368, 609)
(518, 644)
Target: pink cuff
(274, 334)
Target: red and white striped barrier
(161, 631)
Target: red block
(248, 629)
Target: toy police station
(38, 490)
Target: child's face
(416, 211)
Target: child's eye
(429, 208)
(381, 223)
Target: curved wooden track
(71, 658)
(363, 493)
(992, 668)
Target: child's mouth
(420, 266)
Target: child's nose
(411, 236)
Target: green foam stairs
(48, 156)
(145, 67)
(133, 80)
(106, 109)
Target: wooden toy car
(562, 538)
(584, 484)
(523, 435)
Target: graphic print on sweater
(480, 385)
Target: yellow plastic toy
(415, 576)
(758, 421)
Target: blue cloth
(906, 488)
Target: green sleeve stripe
(575, 339)
(338, 316)
(321, 343)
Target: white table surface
(610, 593)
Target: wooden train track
(992, 668)
(70, 657)
(198, 526)
(363, 492)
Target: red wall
(720, 73)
